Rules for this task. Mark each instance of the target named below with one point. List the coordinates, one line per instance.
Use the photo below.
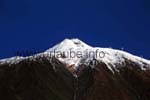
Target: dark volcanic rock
(36, 80)
(45, 80)
(129, 83)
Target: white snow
(66, 47)
(111, 57)
(88, 53)
(12, 60)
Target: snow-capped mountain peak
(109, 56)
(68, 44)
(116, 74)
(74, 52)
(68, 47)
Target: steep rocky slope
(36, 80)
(117, 75)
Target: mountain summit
(73, 70)
(74, 52)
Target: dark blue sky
(36, 25)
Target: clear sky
(37, 25)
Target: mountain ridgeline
(54, 79)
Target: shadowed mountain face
(36, 80)
(129, 83)
(44, 80)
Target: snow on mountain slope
(67, 47)
(74, 52)
(12, 60)
(107, 55)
